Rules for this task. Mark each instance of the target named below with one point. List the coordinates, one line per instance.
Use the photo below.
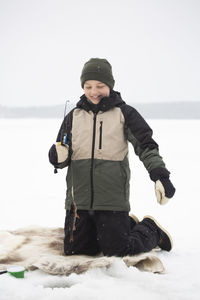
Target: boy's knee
(119, 249)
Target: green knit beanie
(98, 69)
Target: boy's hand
(164, 190)
(58, 154)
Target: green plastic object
(16, 271)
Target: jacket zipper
(100, 135)
(92, 160)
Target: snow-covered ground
(31, 194)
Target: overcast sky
(153, 46)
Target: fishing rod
(63, 135)
(65, 108)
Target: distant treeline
(168, 110)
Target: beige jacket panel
(113, 142)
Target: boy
(93, 143)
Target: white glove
(160, 193)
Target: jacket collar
(106, 103)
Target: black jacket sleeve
(140, 134)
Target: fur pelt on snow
(42, 248)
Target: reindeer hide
(42, 248)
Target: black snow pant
(109, 232)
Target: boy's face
(95, 90)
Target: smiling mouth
(96, 97)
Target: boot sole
(164, 230)
(134, 218)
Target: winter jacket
(97, 139)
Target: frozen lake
(31, 194)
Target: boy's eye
(98, 87)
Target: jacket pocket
(100, 134)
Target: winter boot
(133, 220)
(165, 241)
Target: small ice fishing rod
(63, 136)
(65, 108)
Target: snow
(31, 194)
